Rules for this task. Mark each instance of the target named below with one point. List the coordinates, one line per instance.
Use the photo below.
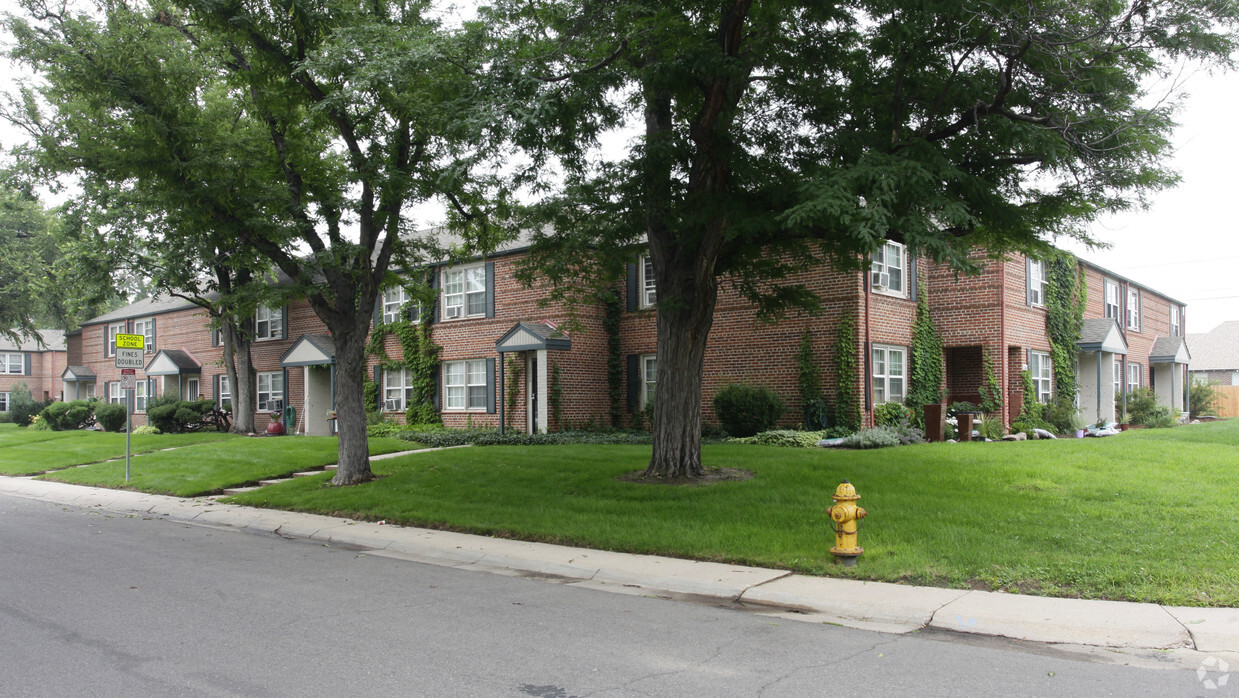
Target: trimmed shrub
(1202, 399)
(877, 437)
(111, 416)
(1142, 409)
(145, 429)
(64, 416)
(491, 437)
(892, 414)
(747, 410)
(783, 437)
(53, 413)
(22, 406)
(186, 416)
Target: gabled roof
(1102, 334)
(144, 307)
(530, 336)
(171, 362)
(53, 339)
(73, 374)
(1216, 350)
(310, 350)
(1169, 350)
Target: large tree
(777, 136)
(346, 115)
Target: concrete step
(333, 466)
(239, 490)
(308, 473)
(264, 483)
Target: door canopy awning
(1169, 350)
(533, 336)
(74, 374)
(310, 350)
(173, 362)
(1102, 334)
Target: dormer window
(886, 273)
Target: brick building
(36, 362)
(503, 353)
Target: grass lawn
(210, 467)
(1145, 516)
(26, 452)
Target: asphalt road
(98, 604)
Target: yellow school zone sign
(130, 341)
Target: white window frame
(6, 364)
(394, 299)
(1133, 309)
(885, 267)
(140, 388)
(146, 328)
(1118, 377)
(1176, 328)
(193, 389)
(116, 396)
(268, 396)
(397, 389)
(274, 319)
(1133, 376)
(462, 287)
(649, 377)
(109, 336)
(647, 287)
(224, 398)
(882, 377)
(461, 389)
(1037, 282)
(1113, 306)
(4, 402)
(1041, 369)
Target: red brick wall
(43, 380)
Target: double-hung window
(1133, 309)
(649, 378)
(1176, 330)
(116, 396)
(648, 290)
(109, 336)
(268, 323)
(1036, 282)
(1041, 369)
(12, 364)
(394, 299)
(397, 390)
(1112, 299)
(146, 328)
(139, 395)
(464, 292)
(1133, 377)
(887, 269)
(889, 371)
(4, 402)
(270, 391)
(225, 394)
(465, 384)
(1118, 377)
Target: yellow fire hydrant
(846, 516)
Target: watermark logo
(1213, 673)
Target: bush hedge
(746, 410)
(492, 437)
(186, 416)
(111, 416)
(65, 416)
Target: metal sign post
(130, 350)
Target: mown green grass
(209, 468)
(27, 452)
(1145, 516)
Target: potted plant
(276, 426)
(1078, 424)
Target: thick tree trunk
(354, 462)
(239, 368)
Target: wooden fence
(1227, 404)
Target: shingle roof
(53, 339)
(144, 307)
(1216, 350)
(1169, 349)
(1096, 331)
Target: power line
(1172, 264)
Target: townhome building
(507, 357)
(35, 362)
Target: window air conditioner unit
(453, 311)
(392, 406)
(881, 279)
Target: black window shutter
(490, 290)
(868, 375)
(434, 388)
(378, 378)
(633, 282)
(151, 348)
(27, 371)
(215, 390)
(106, 385)
(106, 340)
(490, 385)
(914, 286)
(634, 382)
(434, 283)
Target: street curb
(878, 606)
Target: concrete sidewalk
(891, 608)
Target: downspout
(502, 382)
(1098, 385)
(867, 354)
(1002, 341)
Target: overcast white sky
(1185, 246)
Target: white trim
(394, 298)
(1041, 370)
(647, 290)
(6, 364)
(889, 270)
(109, 336)
(1111, 304)
(649, 377)
(463, 291)
(888, 385)
(274, 392)
(1135, 376)
(4, 402)
(1133, 309)
(1176, 324)
(1037, 282)
(461, 387)
(274, 319)
(398, 394)
(146, 327)
(225, 393)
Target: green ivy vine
(515, 362)
(555, 395)
(847, 407)
(991, 387)
(420, 355)
(612, 312)
(925, 379)
(812, 404)
(1064, 318)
